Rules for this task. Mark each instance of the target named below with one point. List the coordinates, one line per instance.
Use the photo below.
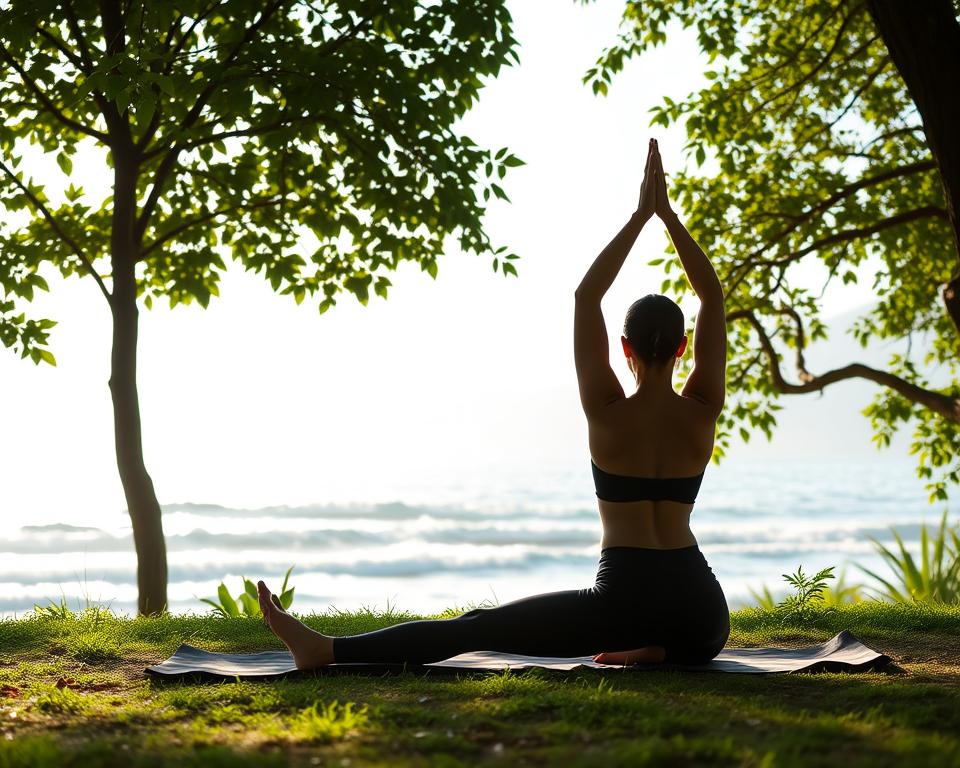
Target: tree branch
(854, 187)
(251, 131)
(181, 228)
(941, 404)
(871, 78)
(61, 46)
(55, 226)
(752, 260)
(796, 53)
(186, 35)
(925, 212)
(332, 46)
(48, 104)
(74, 24)
(170, 159)
(107, 108)
(822, 63)
(906, 130)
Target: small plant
(799, 607)
(54, 610)
(60, 701)
(247, 603)
(841, 593)
(809, 590)
(936, 580)
(326, 722)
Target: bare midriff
(649, 524)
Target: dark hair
(654, 327)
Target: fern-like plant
(841, 593)
(935, 580)
(246, 603)
(799, 607)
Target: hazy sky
(257, 401)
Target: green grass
(105, 712)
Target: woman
(655, 598)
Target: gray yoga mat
(841, 653)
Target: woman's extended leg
(568, 623)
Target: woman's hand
(662, 204)
(648, 202)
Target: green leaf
(251, 607)
(286, 578)
(216, 606)
(227, 603)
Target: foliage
(936, 580)
(313, 143)
(247, 603)
(800, 606)
(53, 610)
(840, 594)
(806, 155)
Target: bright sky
(256, 401)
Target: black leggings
(666, 597)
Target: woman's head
(653, 329)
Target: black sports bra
(630, 488)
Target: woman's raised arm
(599, 385)
(707, 380)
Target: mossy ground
(106, 712)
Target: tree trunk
(142, 504)
(141, 498)
(923, 37)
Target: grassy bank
(72, 692)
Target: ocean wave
(188, 531)
(410, 559)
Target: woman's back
(668, 436)
(664, 436)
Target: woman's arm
(707, 380)
(599, 385)
(605, 268)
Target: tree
(833, 129)
(314, 143)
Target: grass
(73, 693)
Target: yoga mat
(841, 653)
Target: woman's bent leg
(576, 622)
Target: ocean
(485, 540)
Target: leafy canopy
(315, 143)
(809, 148)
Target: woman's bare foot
(310, 649)
(651, 654)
